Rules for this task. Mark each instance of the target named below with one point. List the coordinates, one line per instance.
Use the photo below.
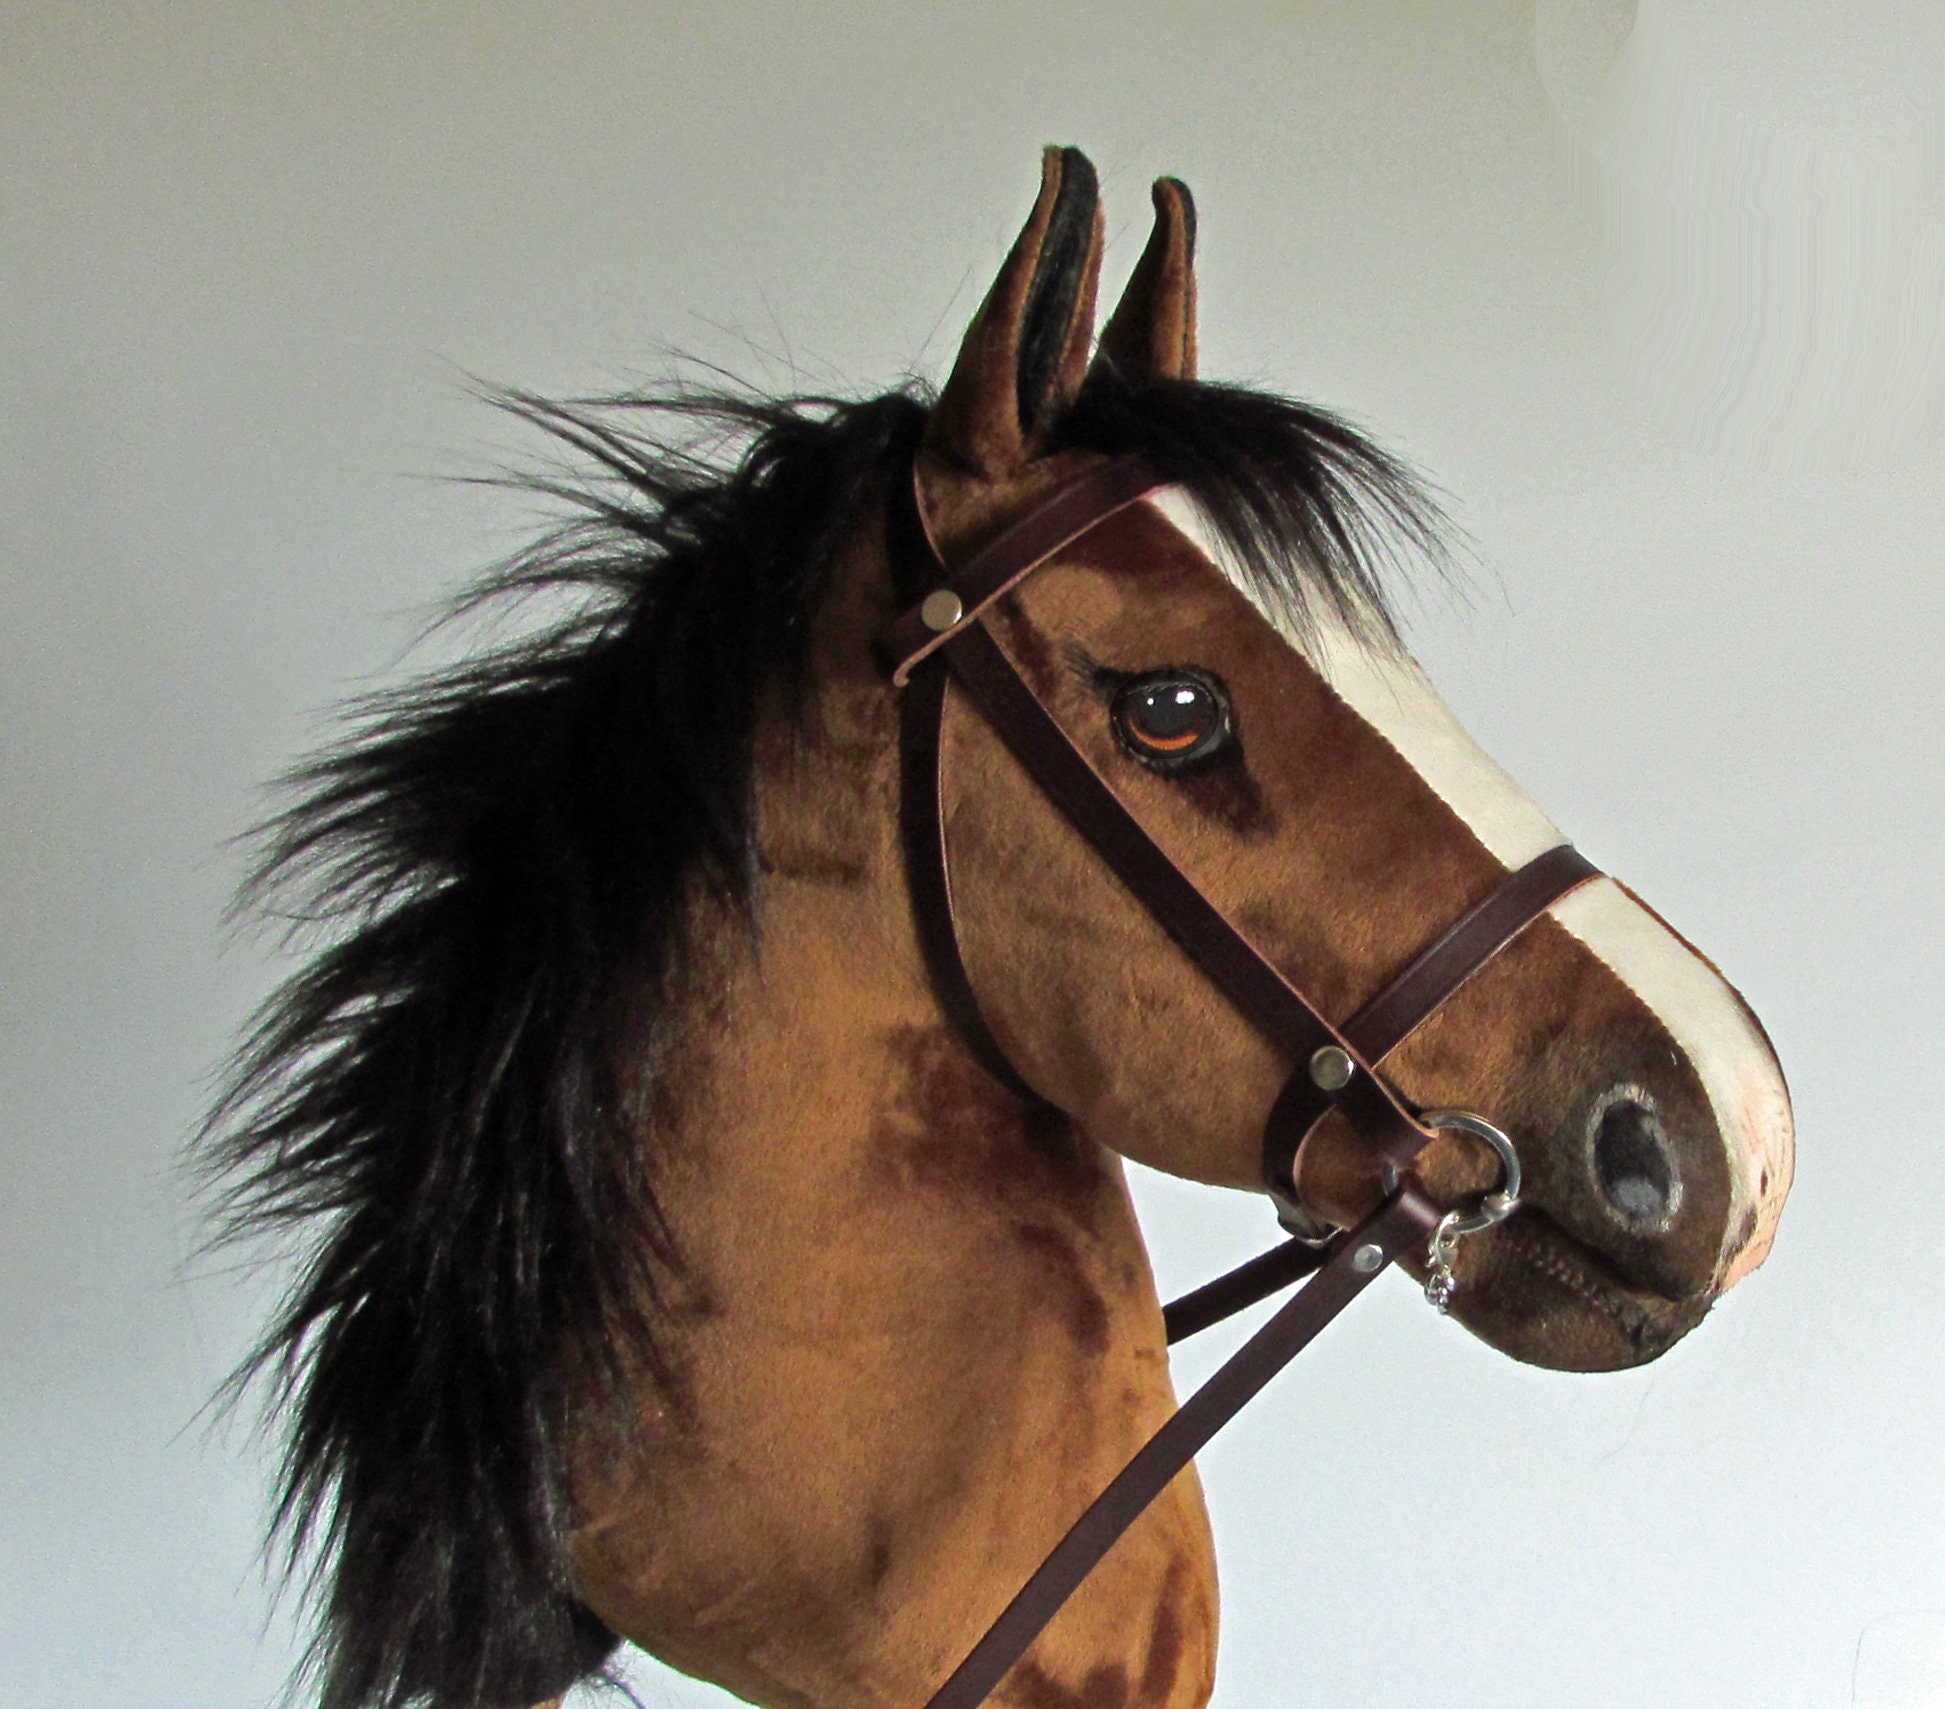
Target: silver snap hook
(1441, 1284)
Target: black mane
(447, 1099)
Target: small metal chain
(1441, 1285)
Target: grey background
(1659, 309)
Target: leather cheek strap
(1230, 962)
(928, 874)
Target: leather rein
(944, 639)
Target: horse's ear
(1151, 334)
(1025, 354)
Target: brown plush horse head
(683, 1273)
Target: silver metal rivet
(1331, 1068)
(1368, 1259)
(941, 609)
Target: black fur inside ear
(1057, 283)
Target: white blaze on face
(1707, 1021)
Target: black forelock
(1314, 511)
(445, 1104)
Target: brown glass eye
(1169, 719)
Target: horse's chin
(1546, 1297)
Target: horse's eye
(1170, 720)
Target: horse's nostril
(1633, 1165)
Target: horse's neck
(924, 1334)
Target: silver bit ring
(1497, 1205)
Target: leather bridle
(943, 637)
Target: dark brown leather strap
(1264, 997)
(928, 876)
(1001, 564)
(1464, 947)
(1268, 1273)
(1403, 1223)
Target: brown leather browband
(944, 637)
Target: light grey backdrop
(1661, 310)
